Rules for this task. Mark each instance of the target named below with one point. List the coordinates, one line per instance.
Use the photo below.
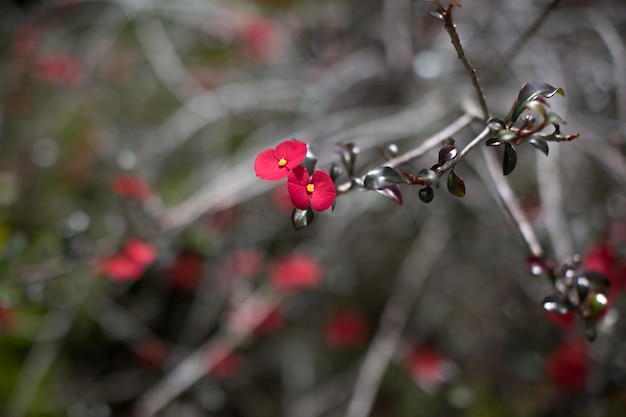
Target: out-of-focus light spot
(8, 188)
(427, 64)
(44, 152)
(78, 221)
(126, 160)
(460, 397)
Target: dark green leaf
(426, 194)
(437, 169)
(539, 144)
(302, 218)
(382, 178)
(590, 330)
(597, 303)
(496, 124)
(555, 303)
(597, 282)
(428, 177)
(493, 142)
(393, 192)
(310, 160)
(456, 186)
(582, 288)
(335, 171)
(447, 153)
(554, 119)
(389, 150)
(449, 141)
(529, 92)
(509, 160)
(437, 15)
(506, 135)
(348, 153)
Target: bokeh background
(145, 270)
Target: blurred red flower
(131, 187)
(258, 38)
(295, 272)
(224, 363)
(274, 164)
(7, 318)
(274, 320)
(140, 252)
(603, 259)
(246, 263)
(281, 199)
(568, 366)
(151, 351)
(430, 368)
(186, 272)
(346, 329)
(130, 263)
(318, 190)
(58, 69)
(25, 40)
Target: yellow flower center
(282, 162)
(310, 188)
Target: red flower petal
(295, 272)
(346, 329)
(140, 252)
(120, 267)
(266, 164)
(568, 366)
(293, 151)
(325, 193)
(296, 184)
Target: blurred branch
(202, 360)
(506, 58)
(418, 263)
(47, 345)
(510, 205)
(615, 45)
(551, 192)
(428, 144)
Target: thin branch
(523, 39)
(446, 14)
(425, 146)
(417, 265)
(511, 206)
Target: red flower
(318, 191)
(429, 368)
(274, 164)
(246, 263)
(187, 271)
(120, 267)
(142, 253)
(273, 321)
(7, 318)
(151, 351)
(223, 363)
(258, 38)
(568, 366)
(295, 272)
(25, 40)
(128, 264)
(58, 69)
(131, 187)
(346, 329)
(603, 259)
